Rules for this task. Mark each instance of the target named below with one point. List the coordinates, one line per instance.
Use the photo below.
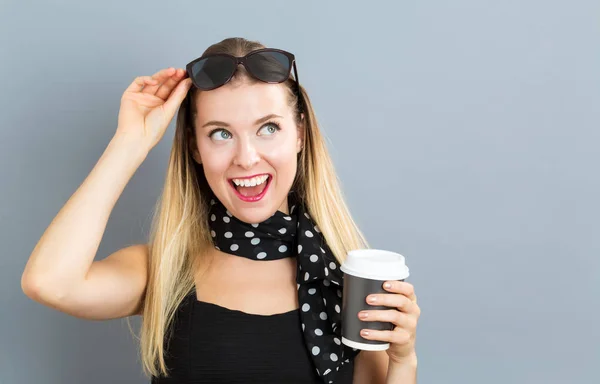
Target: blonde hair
(180, 240)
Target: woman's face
(247, 142)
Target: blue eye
(220, 134)
(269, 129)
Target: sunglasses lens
(271, 67)
(212, 72)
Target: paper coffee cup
(365, 271)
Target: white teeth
(258, 180)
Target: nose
(246, 155)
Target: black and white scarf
(319, 279)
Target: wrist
(402, 370)
(408, 360)
(134, 148)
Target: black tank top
(214, 344)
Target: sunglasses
(268, 65)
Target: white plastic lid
(375, 264)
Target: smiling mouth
(251, 189)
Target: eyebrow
(224, 124)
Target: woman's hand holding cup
(379, 309)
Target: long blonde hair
(180, 240)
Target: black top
(214, 344)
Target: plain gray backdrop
(465, 134)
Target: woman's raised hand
(149, 104)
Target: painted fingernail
(371, 299)
(364, 332)
(387, 285)
(363, 315)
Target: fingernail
(364, 332)
(371, 299)
(387, 285)
(363, 315)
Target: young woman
(240, 281)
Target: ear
(195, 152)
(196, 156)
(301, 134)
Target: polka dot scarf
(319, 279)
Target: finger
(402, 287)
(177, 97)
(393, 300)
(397, 336)
(139, 83)
(160, 77)
(399, 319)
(167, 87)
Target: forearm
(404, 372)
(67, 248)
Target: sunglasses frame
(242, 60)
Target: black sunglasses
(268, 65)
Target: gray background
(465, 134)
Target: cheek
(283, 159)
(215, 161)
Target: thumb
(177, 96)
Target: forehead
(242, 103)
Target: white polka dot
(213, 233)
(228, 213)
(299, 249)
(339, 293)
(314, 258)
(249, 234)
(306, 214)
(337, 341)
(323, 316)
(325, 301)
(337, 308)
(315, 351)
(306, 276)
(234, 247)
(318, 332)
(322, 250)
(302, 327)
(213, 217)
(312, 291)
(218, 248)
(297, 286)
(326, 272)
(332, 265)
(305, 308)
(326, 283)
(333, 357)
(212, 201)
(287, 217)
(282, 231)
(261, 255)
(282, 248)
(255, 241)
(254, 225)
(226, 219)
(326, 372)
(228, 235)
(317, 229)
(308, 233)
